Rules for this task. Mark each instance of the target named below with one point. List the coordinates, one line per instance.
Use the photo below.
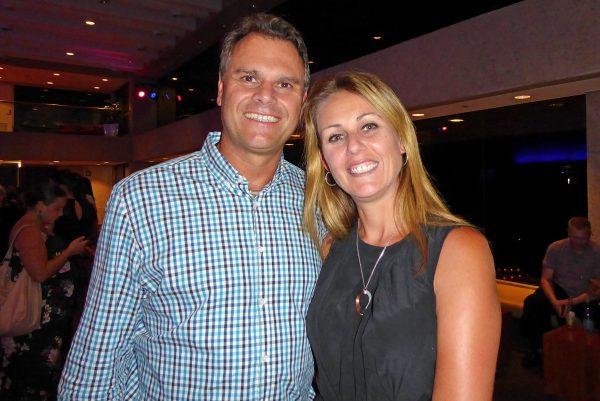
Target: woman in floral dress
(30, 364)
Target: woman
(405, 307)
(30, 364)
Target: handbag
(20, 301)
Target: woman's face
(359, 147)
(50, 213)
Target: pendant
(357, 301)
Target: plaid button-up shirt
(199, 289)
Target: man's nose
(264, 94)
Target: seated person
(570, 273)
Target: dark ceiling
(335, 31)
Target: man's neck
(257, 169)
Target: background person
(568, 268)
(30, 364)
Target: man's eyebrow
(246, 71)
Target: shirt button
(265, 358)
(261, 249)
(262, 302)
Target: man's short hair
(580, 223)
(267, 25)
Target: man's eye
(285, 85)
(248, 78)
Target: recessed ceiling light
(70, 54)
(105, 162)
(418, 114)
(104, 80)
(96, 87)
(50, 83)
(377, 37)
(456, 120)
(310, 62)
(90, 22)
(289, 144)
(0, 77)
(55, 161)
(522, 97)
(190, 89)
(1, 68)
(174, 78)
(56, 74)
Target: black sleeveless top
(389, 353)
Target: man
(203, 274)
(570, 271)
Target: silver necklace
(365, 291)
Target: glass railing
(109, 120)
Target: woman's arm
(33, 255)
(469, 319)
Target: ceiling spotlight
(418, 114)
(310, 62)
(456, 120)
(377, 37)
(1, 68)
(153, 95)
(443, 128)
(141, 94)
(179, 98)
(55, 161)
(174, 78)
(104, 80)
(56, 74)
(190, 89)
(70, 54)
(96, 87)
(90, 22)
(50, 83)
(522, 97)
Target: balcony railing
(62, 119)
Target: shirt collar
(224, 172)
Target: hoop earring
(405, 160)
(327, 176)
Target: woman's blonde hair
(417, 202)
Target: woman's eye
(369, 126)
(335, 138)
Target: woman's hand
(77, 246)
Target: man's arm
(101, 364)
(546, 284)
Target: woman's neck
(378, 225)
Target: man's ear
(220, 91)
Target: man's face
(260, 95)
(579, 239)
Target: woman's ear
(323, 161)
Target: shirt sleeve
(101, 364)
(550, 259)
